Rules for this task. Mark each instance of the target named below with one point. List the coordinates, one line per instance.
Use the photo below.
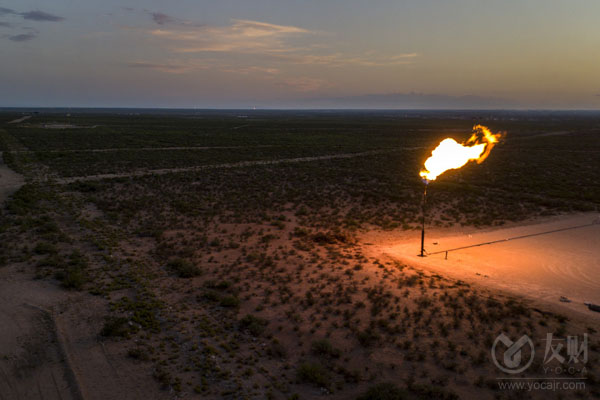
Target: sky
(522, 54)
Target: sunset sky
(303, 53)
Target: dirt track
(31, 358)
(10, 181)
(117, 149)
(241, 164)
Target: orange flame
(451, 155)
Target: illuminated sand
(544, 267)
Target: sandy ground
(50, 347)
(31, 360)
(564, 260)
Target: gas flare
(452, 155)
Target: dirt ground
(49, 344)
(10, 181)
(31, 360)
(50, 348)
(562, 258)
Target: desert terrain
(274, 255)
(543, 259)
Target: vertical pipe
(423, 219)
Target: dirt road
(241, 164)
(10, 181)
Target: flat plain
(271, 254)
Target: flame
(451, 155)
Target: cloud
(252, 69)
(23, 37)
(40, 16)
(304, 84)
(165, 19)
(34, 15)
(412, 101)
(170, 68)
(161, 18)
(242, 36)
(339, 59)
(4, 11)
(30, 33)
(261, 38)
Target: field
(222, 254)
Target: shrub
(367, 337)
(138, 354)
(384, 391)
(72, 277)
(314, 373)
(255, 325)
(26, 199)
(324, 347)
(115, 326)
(230, 301)
(45, 248)
(330, 237)
(183, 268)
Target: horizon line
(3, 108)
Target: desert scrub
(368, 337)
(45, 248)
(74, 274)
(183, 268)
(255, 325)
(72, 277)
(28, 199)
(144, 311)
(230, 301)
(324, 348)
(115, 327)
(315, 373)
(137, 353)
(384, 391)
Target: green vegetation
(255, 325)
(183, 268)
(115, 327)
(314, 373)
(384, 391)
(324, 347)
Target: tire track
(117, 149)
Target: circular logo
(512, 358)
